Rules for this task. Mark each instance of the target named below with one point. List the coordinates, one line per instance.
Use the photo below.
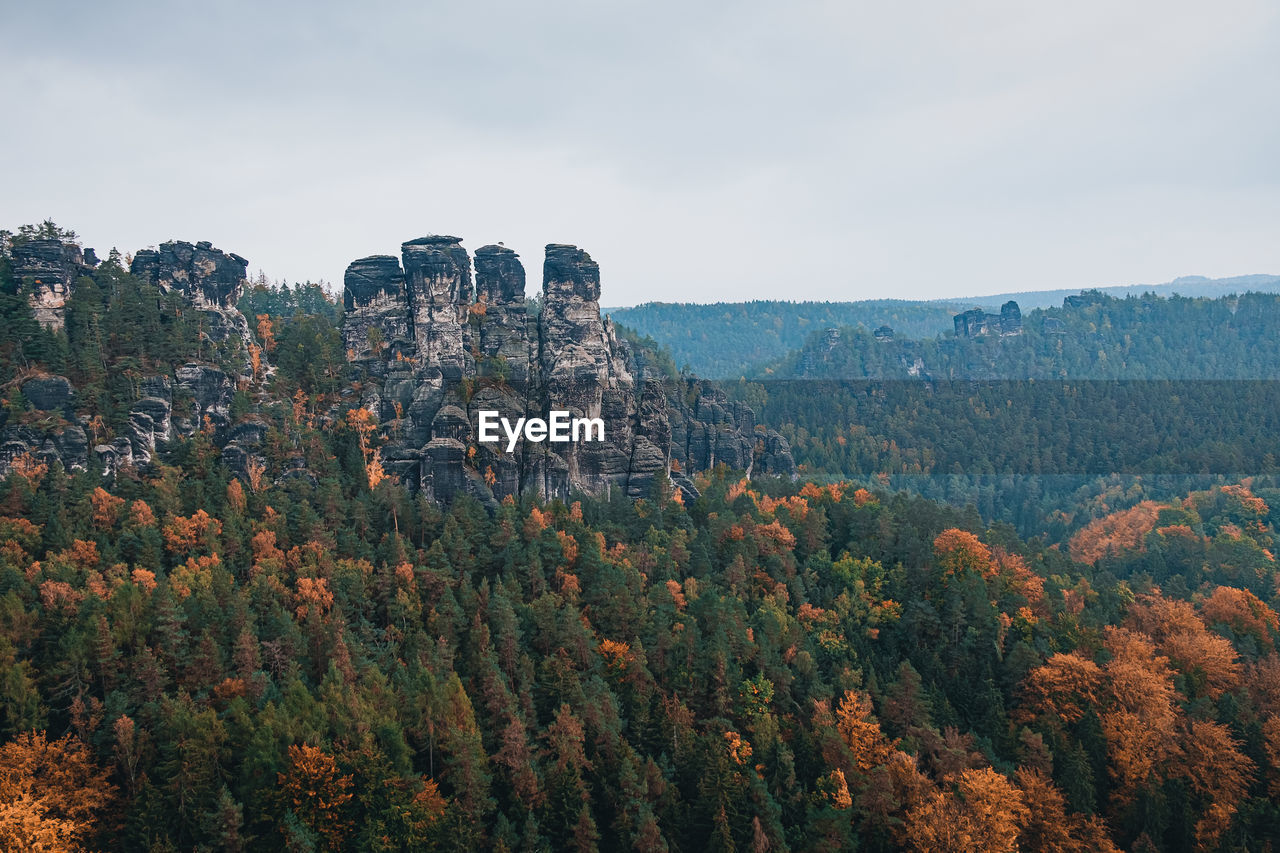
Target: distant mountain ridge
(1187, 285)
(727, 340)
(1094, 336)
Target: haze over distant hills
(1187, 285)
(730, 339)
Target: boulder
(49, 393)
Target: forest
(728, 340)
(189, 663)
(198, 658)
(1098, 337)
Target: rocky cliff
(977, 323)
(431, 351)
(49, 267)
(57, 431)
(212, 280)
(434, 336)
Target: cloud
(699, 151)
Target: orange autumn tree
(1207, 661)
(107, 508)
(184, 534)
(861, 732)
(1063, 689)
(1141, 723)
(958, 552)
(1049, 827)
(1116, 532)
(1219, 773)
(317, 794)
(266, 332)
(1243, 612)
(985, 812)
(51, 793)
(363, 423)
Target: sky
(700, 151)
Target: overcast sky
(699, 151)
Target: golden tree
(51, 793)
(861, 732)
(317, 793)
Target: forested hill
(193, 662)
(1095, 337)
(727, 340)
(225, 626)
(1133, 398)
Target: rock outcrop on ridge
(434, 336)
(212, 281)
(432, 351)
(50, 266)
(976, 322)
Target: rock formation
(976, 322)
(50, 266)
(431, 344)
(432, 351)
(1084, 299)
(212, 280)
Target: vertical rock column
(500, 323)
(584, 371)
(377, 332)
(375, 323)
(438, 277)
(501, 316)
(438, 281)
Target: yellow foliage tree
(51, 793)
(317, 793)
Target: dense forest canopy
(194, 656)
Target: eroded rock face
(977, 323)
(433, 351)
(49, 393)
(211, 391)
(437, 274)
(430, 347)
(50, 267)
(501, 314)
(209, 277)
(66, 444)
(377, 309)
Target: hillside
(730, 340)
(257, 592)
(1093, 336)
(1132, 398)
